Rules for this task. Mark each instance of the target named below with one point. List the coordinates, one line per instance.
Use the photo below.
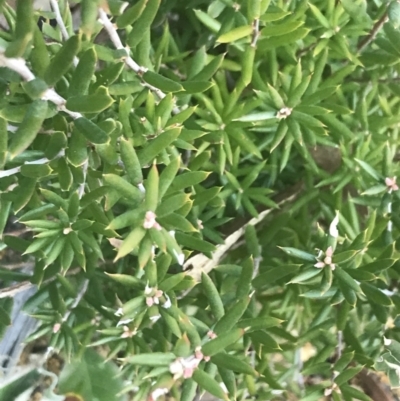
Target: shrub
(206, 188)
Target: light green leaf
(308, 257)
(235, 34)
(161, 82)
(282, 40)
(281, 29)
(99, 101)
(211, 23)
(155, 147)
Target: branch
(19, 66)
(129, 61)
(16, 170)
(13, 290)
(81, 189)
(115, 39)
(256, 264)
(200, 263)
(363, 43)
(301, 52)
(60, 23)
(18, 265)
(372, 34)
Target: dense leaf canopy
(203, 190)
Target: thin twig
(200, 263)
(372, 34)
(81, 189)
(19, 66)
(256, 264)
(132, 64)
(25, 285)
(20, 265)
(16, 170)
(17, 233)
(305, 50)
(115, 39)
(11, 171)
(363, 43)
(13, 290)
(60, 23)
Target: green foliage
(92, 378)
(134, 149)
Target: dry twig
(372, 34)
(200, 263)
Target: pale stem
(129, 61)
(256, 264)
(115, 39)
(19, 66)
(11, 171)
(256, 32)
(13, 290)
(16, 170)
(81, 189)
(60, 23)
(200, 263)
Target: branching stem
(60, 22)
(373, 32)
(132, 64)
(19, 66)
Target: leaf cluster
(134, 143)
